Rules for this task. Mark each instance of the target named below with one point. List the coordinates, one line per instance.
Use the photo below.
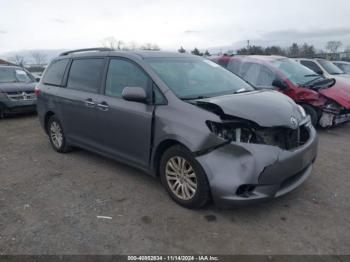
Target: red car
(327, 101)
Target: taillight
(36, 91)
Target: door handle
(89, 103)
(103, 106)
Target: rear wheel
(311, 111)
(56, 135)
(184, 178)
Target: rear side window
(86, 74)
(121, 74)
(55, 72)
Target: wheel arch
(48, 115)
(159, 150)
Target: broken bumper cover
(241, 173)
(343, 118)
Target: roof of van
(139, 53)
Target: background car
(327, 101)
(16, 90)
(325, 68)
(343, 65)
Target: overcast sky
(65, 24)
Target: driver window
(121, 74)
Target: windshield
(296, 72)
(344, 67)
(197, 78)
(14, 75)
(331, 68)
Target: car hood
(266, 108)
(16, 87)
(344, 77)
(339, 92)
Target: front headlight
(232, 131)
(302, 111)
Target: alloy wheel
(181, 178)
(56, 134)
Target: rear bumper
(241, 174)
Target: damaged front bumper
(329, 119)
(242, 173)
(333, 114)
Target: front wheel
(184, 178)
(56, 135)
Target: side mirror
(280, 84)
(135, 94)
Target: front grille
(21, 95)
(304, 135)
(285, 138)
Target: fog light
(245, 190)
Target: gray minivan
(204, 131)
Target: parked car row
(325, 68)
(326, 100)
(206, 132)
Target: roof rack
(87, 50)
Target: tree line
(295, 50)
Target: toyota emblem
(294, 122)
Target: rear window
(86, 74)
(55, 72)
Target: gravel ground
(50, 203)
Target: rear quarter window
(55, 72)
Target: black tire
(62, 147)
(311, 111)
(2, 113)
(201, 195)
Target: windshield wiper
(194, 97)
(310, 75)
(312, 80)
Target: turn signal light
(36, 91)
